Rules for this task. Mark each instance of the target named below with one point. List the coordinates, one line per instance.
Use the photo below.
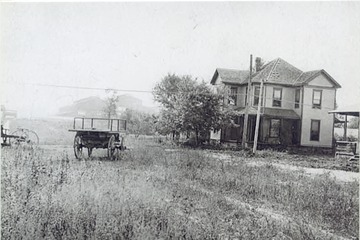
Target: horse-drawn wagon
(99, 133)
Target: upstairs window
(297, 98)
(256, 95)
(277, 97)
(316, 101)
(315, 130)
(233, 96)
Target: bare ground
(287, 163)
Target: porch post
(246, 117)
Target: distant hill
(93, 106)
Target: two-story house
(294, 104)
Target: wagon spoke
(111, 147)
(24, 136)
(32, 138)
(78, 147)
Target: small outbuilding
(346, 147)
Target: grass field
(163, 192)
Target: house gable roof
(231, 76)
(307, 77)
(277, 71)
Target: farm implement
(99, 133)
(20, 136)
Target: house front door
(251, 128)
(295, 132)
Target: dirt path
(339, 175)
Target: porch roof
(269, 112)
(280, 113)
(353, 110)
(241, 111)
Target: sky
(132, 46)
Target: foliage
(110, 109)
(353, 122)
(139, 122)
(188, 106)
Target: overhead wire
(152, 91)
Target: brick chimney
(258, 64)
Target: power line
(150, 91)
(84, 88)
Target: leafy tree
(139, 122)
(188, 107)
(353, 122)
(170, 92)
(110, 109)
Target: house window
(277, 97)
(256, 95)
(274, 127)
(317, 99)
(233, 96)
(315, 130)
(297, 98)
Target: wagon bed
(99, 133)
(92, 130)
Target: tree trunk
(109, 115)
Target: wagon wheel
(25, 136)
(32, 138)
(112, 150)
(18, 136)
(78, 147)
(122, 148)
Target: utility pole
(258, 116)
(247, 105)
(259, 107)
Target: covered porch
(278, 127)
(348, 148)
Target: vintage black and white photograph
(180, 120)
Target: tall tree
(189, 106)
